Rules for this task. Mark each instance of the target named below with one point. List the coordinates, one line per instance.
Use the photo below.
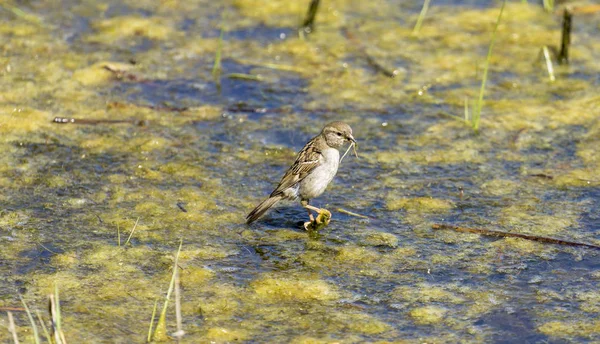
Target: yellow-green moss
(419, 204)
(524, 219)
(356, 255)
(425, 293)
(428, 315)
(113, 29)
(226, 335)
(380, 239)
(499, 187)
(566, 329)
(294, 289)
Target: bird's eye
(339, 134)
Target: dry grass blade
(549, 65)
(11, 327)
(178, 317)
(352, 145)
(133, 230)
(161, 327)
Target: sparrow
(314, 168)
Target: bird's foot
(320, 222)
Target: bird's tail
(262, 208)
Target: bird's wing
(308, 159)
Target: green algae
(570, 329)
(380, 239)
(272, 289)
(429, 315)
(113, 29)
(420, 205)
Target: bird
(315, 166)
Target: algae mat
(164, 148)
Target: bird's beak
(350, 138)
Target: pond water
(207, 149)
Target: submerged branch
(308, 25)
(501, 234)
(370, 60)
(565, 39)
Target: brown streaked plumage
(314, 168)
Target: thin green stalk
(161, 327)
(421, 17)
(56, 317)
(216, 70)
(479, 105)
(152, 321)
(44, 328)
(36, 335)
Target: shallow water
(207, 153)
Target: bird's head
(337, 133)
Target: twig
(309, 21)
(348, 212)
(12, 309)
(181, 206)
(124, 75)
(501, 234)
(542, 175)
(370, 60)
(565, 38)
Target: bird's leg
(322, 219)
(308, 208)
